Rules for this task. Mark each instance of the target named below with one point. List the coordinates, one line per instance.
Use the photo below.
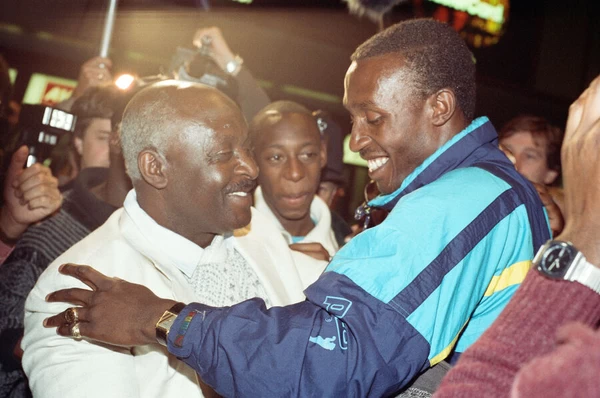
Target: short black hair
(436, 55)
(94, 103)
(286, 107)
(282, 107)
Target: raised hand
(30, 195)
(581, 173)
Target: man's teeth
(239, 193)
(376, 163)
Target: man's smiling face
(390, 123)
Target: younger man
(290, 153)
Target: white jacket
(62, 367)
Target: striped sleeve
(437, 277)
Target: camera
(198, 66)
(40, 128)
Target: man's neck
(298, 227)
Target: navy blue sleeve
(340, 341)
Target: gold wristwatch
(166, 321)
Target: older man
(187, 152)
(397, 298)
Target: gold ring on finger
(72, 315)
(74, 329)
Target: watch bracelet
(591, 275)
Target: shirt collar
(261, 205)
(181, 252)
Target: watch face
(556, 259)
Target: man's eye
(375, 120)
(308, 156)
(224, 156)
(275, 158)
(373, 117)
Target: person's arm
(527, 328)
(251, 97)
(17, 277)
(94, 72)
(63, 367)
(30, 195)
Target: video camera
(198, 66)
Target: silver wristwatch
(234, 66)
(561, 260)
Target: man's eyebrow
(362, 104)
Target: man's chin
(242, 220)
(386, 188)
(294, 214)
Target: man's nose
(247, 165)
(358, 140)
(294, 169)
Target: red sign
(55, 93)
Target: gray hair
(164, 112)
(145, 127)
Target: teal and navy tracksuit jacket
(397, 298)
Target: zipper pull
(363, 210)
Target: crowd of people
(192, 247)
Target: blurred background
(532, 56)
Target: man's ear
(78, 144)
(323, 153)
(153, 167)
(443, 106)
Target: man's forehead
(385, 75)
(379, 66)
(302, 124)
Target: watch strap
(585, 273)
(163, 326)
